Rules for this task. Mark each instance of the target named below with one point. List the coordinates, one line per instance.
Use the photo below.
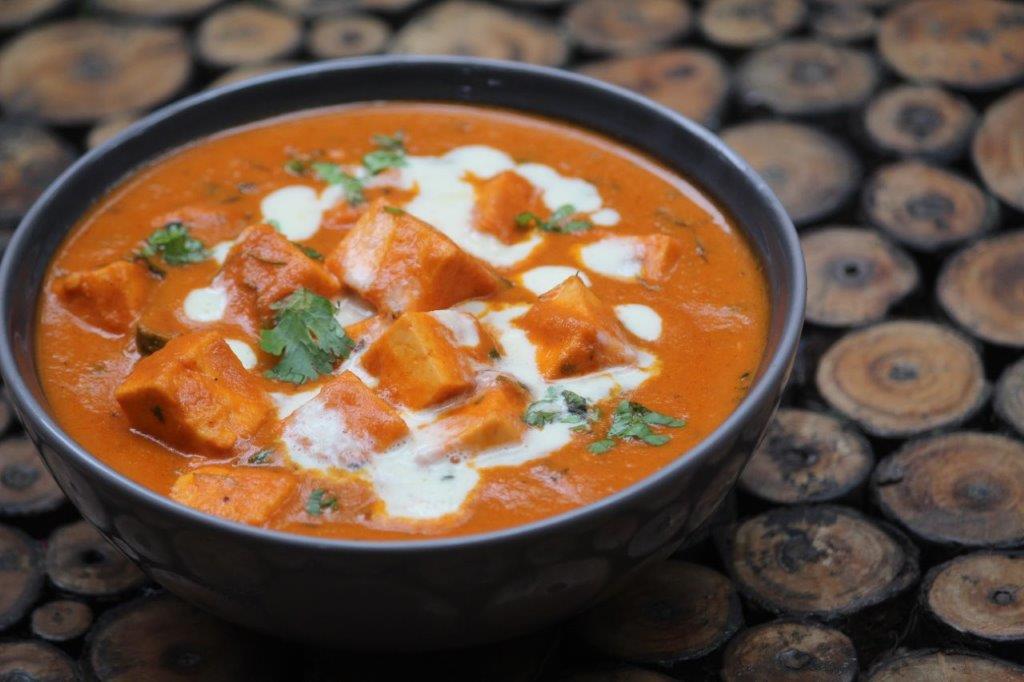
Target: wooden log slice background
(982, 288)
(811, 172)
(622, 27)
(949, 666)
(81, 70)
(914, 310)
(998, 149)
(807, 457)
(693, 82)
(480, 30)
(854, 276)
(750, 23)
(807, 78)
(927, 207)
(958, 490)
(978, 600)
(790, 650)
(901, 378)
(1009, 396)
(247, 33)
(920, 120)
(976, 45)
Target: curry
(399, 320)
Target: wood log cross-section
(750, 23)
(247, 33)
(790, 649)
(624, 27)
(920, 120)
(998, 148)
(79, 560)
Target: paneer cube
(660, 255)
(342, 426)
(245, 494)
(498, 201)
(264, 265)
(109, 298)
(491, 417)
(194, 394)
(575, 332)
(398, 263)
(419, 363)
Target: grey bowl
(422, 594)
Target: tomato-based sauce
(399, 320)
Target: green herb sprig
(562, 406)
(634, 421)
(174, 245)
(306, 336)
(560, 222)
(319, 501)
(332, 174)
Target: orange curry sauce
(713, 306)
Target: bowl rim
(773, 375)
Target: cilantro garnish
(295, 167)
(560, 221)
(634, 421)
(174, 244)
(564, 407)
(309, 251)
(319, 500)
(306, 336)
(332, 174)
(390, 153)
(260, 457)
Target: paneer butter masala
(399, 320)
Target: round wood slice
(675, 611)
(160, 637)
(854, 276)
(108, 128)
(247, 33)
(79, 560)
(982, 288)
(963, 489)
(694, 82)
(163, 10)
(627, 27)
(926, 207)
(811, 172)
(823, 561)
(998, 149)
(241, 73)
(807, 78)
(801, 651)
(1009, 396)
(349, 35)
(750, 23)
(920, 120)
(978, 598)
(844, 23)
(926, 665)
(30, 159)
(26, 487)
(321, 8)
(976, 45)
(902, 378)
(21, 575)
(62, 620)
(476, 29)
(16, 14)
(807, 457)
(80, 70)
(35, 661)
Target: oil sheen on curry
(394, 321)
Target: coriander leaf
(558, 223)
(633, 420)
(174, 244)
(319, 500)
(494, 354)
(332, 174)
(260, 457)
(390, 153)
(306, 336)
(394, 210)
(564, 407)
(295, 167)
(599, 447)
(309, 251)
